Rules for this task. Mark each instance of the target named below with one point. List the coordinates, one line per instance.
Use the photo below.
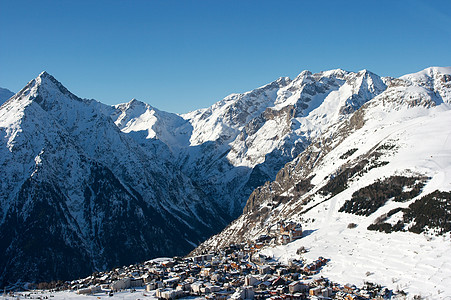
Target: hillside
(372, 192)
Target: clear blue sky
(182, 55)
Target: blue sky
(182, 55)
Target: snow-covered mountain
(111, 185)
(372, 191)
(241, 142)
(77, 194)
(148, 124)
(5, 94)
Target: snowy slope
(403, 131)
(409, 261)
(140, 118)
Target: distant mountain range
(5, 94)
(86, 186)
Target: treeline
(348, 153)
(368, 199)
(431, 212)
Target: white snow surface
(137, 116)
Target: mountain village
(235, 272)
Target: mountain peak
(428, 72)
(134, 105)
(365, 72)
(135, 102)
(44, 74)
(51, 83)
(46, 91)
(443, 70)
(283, 80)
(302, 75)
(44, 86)
(334, 73)
(45, 78)
(279, 82)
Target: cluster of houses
(236, 272)
(289, 231)
(313, 267)
(282, 233)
